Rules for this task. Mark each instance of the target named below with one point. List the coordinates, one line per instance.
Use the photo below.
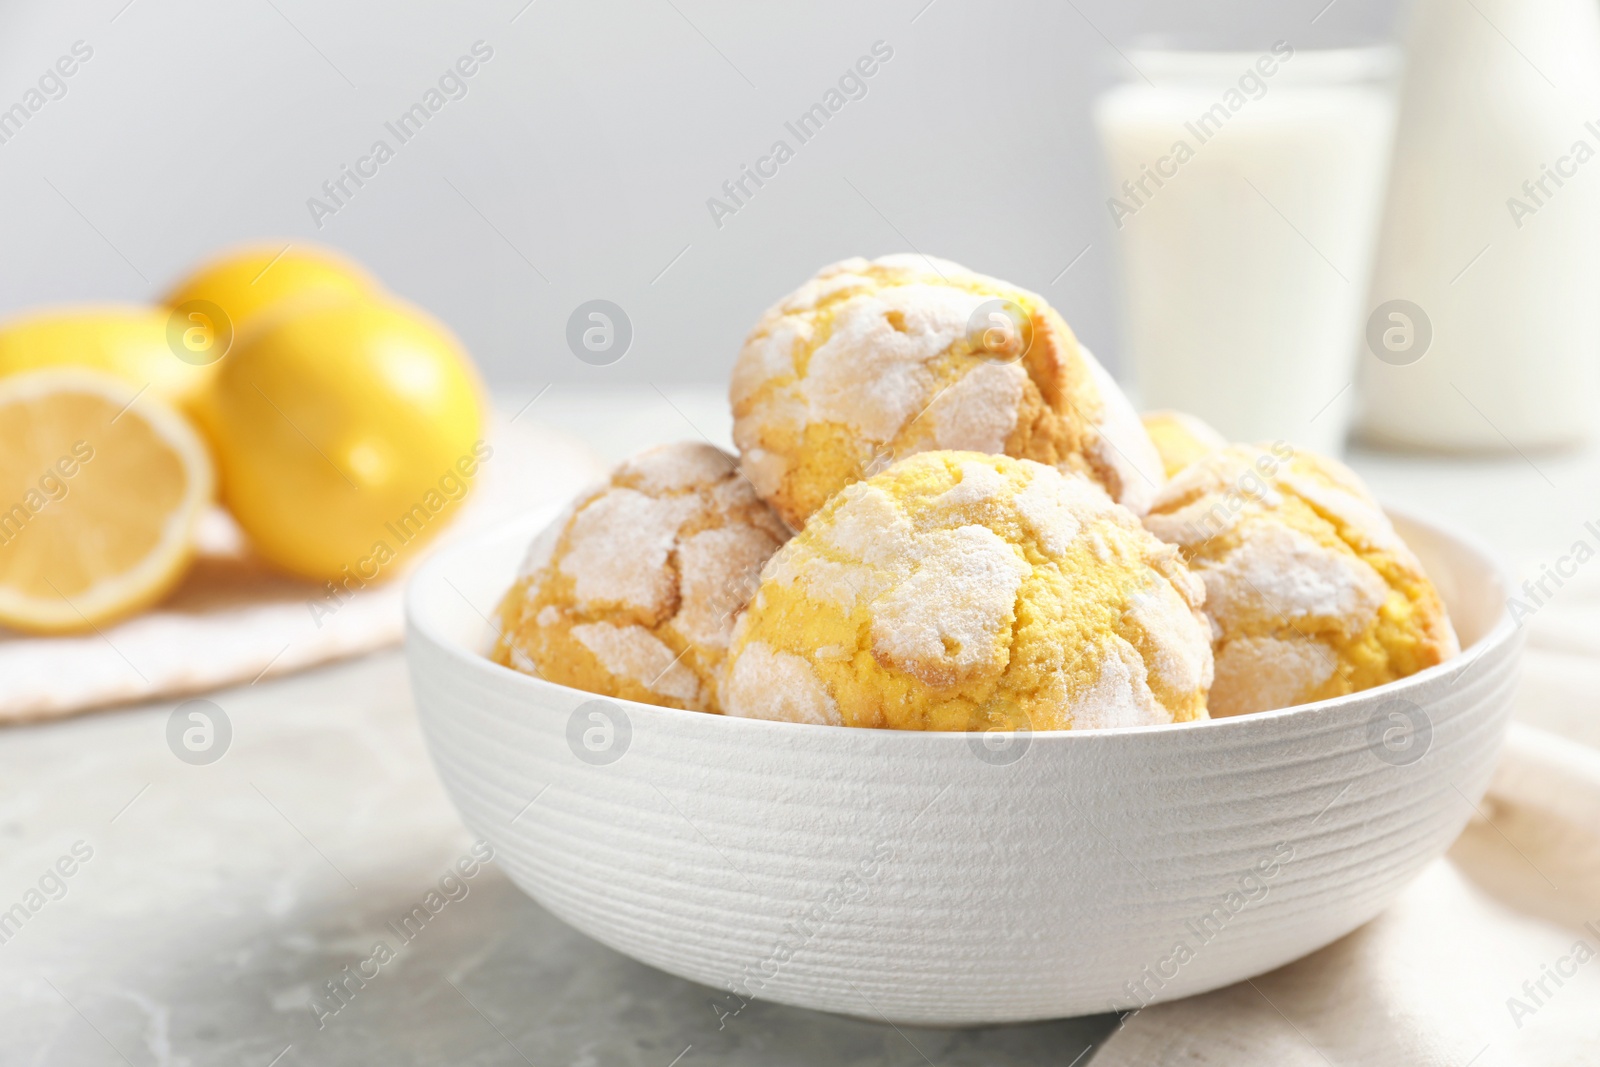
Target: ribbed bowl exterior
(933, 879)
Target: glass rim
(1369, 63)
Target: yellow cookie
(869, 362)
(633, 592)
(966, 591)
(1311, 592)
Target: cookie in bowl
(1311, 592)
(873, 361)
(968, 591)
(1180, 438)
(633, 591)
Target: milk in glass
(1245, 192)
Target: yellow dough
(1311, 592)
(965, 591)
(869, 362)
(1181, 438)
(633, 592)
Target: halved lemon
(100, 489)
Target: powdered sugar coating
(633, 592)
(956, 584)
(634, 654)
(948, 617)
(1276, 568)
(979, 412)
(869, 362)
(1267, 671)
(763, 684)
(1311, 592)
(1120, 694)
(617, 552)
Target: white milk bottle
(1485, 303)
(1246, 189)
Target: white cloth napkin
(1490, 959)
(236, 620)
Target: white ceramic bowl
(956, 879)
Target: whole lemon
(129, 341)
(346, 435)
(248, 281)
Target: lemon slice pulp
(100, 490)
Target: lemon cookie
(1311, 592)
(1180, 438)
(869, 362)
(960, 591)
(633, 592)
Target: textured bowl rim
(1494, 570)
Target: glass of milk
(1246, 189)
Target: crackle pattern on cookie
(634, 590)
(1311, 592)
(958, 591)
(870, 362)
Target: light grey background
(580, 161)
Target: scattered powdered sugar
(829, 582)
(1262, 673)
(735, 500)
(1277, 571)
(618, 548)
(1182, 641)
(980, 484)
(767, 354)
(764, 684)
(945, 620)
(1054, 506)
(978, 412)
(634, 653)
(674, 468)
(867, 525)
(718, 572)
(873, 377)
(1120, 695)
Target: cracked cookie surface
(1311, 592)
(873, 361)
(633, 591)
(964, 591)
